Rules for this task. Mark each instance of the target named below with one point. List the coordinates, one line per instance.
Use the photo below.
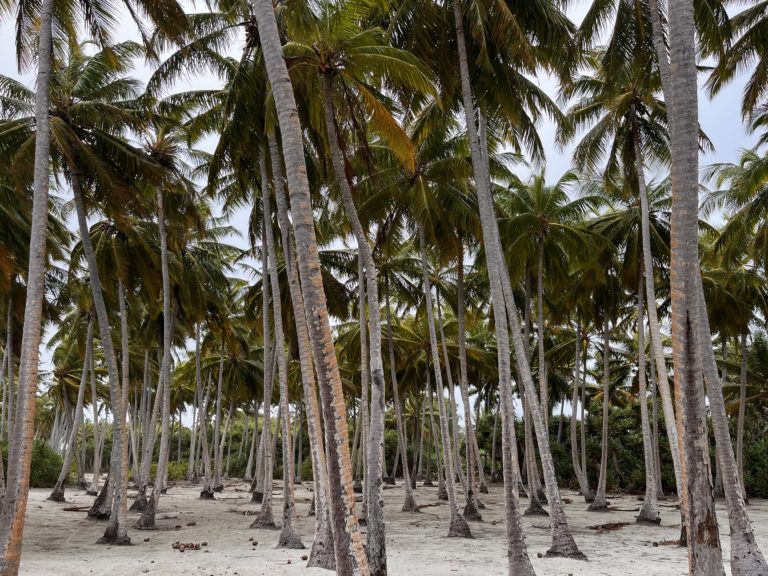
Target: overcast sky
(719, 117)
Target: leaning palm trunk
(600, 504)
(14, 505)
(117, 529)
(458, 527)
(348, 543)
(581, 477)
(742, 410)
(195, 409)
(322, 555)
(94, 488)
(473, 453)
(649, 511)
(562, 540)
(409, 505)
(704, 551)
(289, 535)
(364, 381)
(657, 350)
(217, 484)
(147, 519)
(376, 541)
(57, 495)
(264, 467)
(454, 416)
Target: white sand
(64, 543)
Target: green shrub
(46, 465)
(306, 469)
(237, 466)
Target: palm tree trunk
(649, 511)
(376, 540)
(543, 385)
(599, 504)
(195, 408)
(57, 495)
(458, 527)
(581, 477)
(409, 505)
(322, 554)
(704, 551)
(653, 320)
(117, 529)
(289, 535)
(147, 519)
(14, 505)
(217, 485)
(364, 380)
(348, 543)
(452, 402)
(94, 488)
(502, 298)
(742, 410)
(473, 453)
(264, 467)
(9, 349)
(202, 418)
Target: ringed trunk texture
(376, 541)
(704, 551)
(348, 543)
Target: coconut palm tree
(348, 546)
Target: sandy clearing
(57, 542)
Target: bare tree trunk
(322, 554)
(704, 551)
(147, 519)
(289, 535)
(117, 529)
(742, 410)
(473, 453)
(581, 476)
(599, 504)
(57, 495)
(458, 527)
(217, 485)
(409, 505)
(376, 540)
(649, 511)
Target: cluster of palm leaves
(403, 241)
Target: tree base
(542, 496)
(649, 520)
(535, 508)
(264, 522)
(290, 539)
(566, 552)
(219, 488)
(389, 480)
(471, 513)
(459, 528)
(442, 493)
(427, 484)
(207, 495)
(409, 505)
(480, 505)
(257, 497)
(597, 506)
(57, 495)
(139, 504)
(483, 489)
(312, 508)
(112, 538)
(322, 554)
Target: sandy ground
(58, 542)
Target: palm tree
(348, 546)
